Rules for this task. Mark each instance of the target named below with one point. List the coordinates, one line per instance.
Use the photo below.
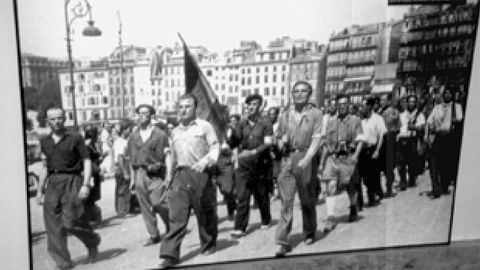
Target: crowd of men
(172, 169)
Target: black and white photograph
(186, 133)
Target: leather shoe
(152, 241)
(353, 214)
(93, 251)
(308, 241)
(209, 251)
(167, 263)
(237, 234)
(282, 251)
(329, 225)
(64, 267)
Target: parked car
(35, 167)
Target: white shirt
(405, 118)
(441, 116)
(145, 133)
(104, 136)
(119, 148)
(373, 127)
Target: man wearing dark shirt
(148, 149)
(63, 191)
(255, 137)
(391, 116)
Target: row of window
(452, 17)
(266, 91)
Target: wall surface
(14, 250)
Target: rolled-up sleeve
(317, 124)
(212, 143)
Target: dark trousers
(388, 158)
(92, 211)
(189, 190)
(122, 194)
(291, 179)
(146, 187)
(251, 180)
(225, 180)
(369, 170)
(64, 213)
(408, 161)
(442, 160)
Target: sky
(219, 25)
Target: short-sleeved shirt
(152, 151)
(441, 116)
(346, 130)
(253, 136)
(67, 155)
(391, 116)
(194, 142)
(407, 117)
(300, 127)
(373, 127)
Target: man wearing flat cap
(148, 152)
(255, 137)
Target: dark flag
(208, 107)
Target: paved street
(407, 219)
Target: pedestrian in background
(123, 183)
(224, 170)
(411, 131)
(93, 211)
(64, 190)
(388, 152)
(374, 128)
(195, 149)
(443, 122)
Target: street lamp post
(79, 10)
(121, 63)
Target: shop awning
(356, 79)
(382, 88)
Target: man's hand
(355, 158)
(84, 192)
(168, 179)
(199, 166)
(39, 198)
(153, 168)
(247, 153)
(303, 163)
(375, 154)
(320, 169)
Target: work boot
(282, 251)
(330, 224)
(353, 213)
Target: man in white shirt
(374, 128)
(411, 130)
(332, 111)
(444, 124)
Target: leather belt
(57, 171)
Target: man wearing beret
(255, 137)
(148, 150)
